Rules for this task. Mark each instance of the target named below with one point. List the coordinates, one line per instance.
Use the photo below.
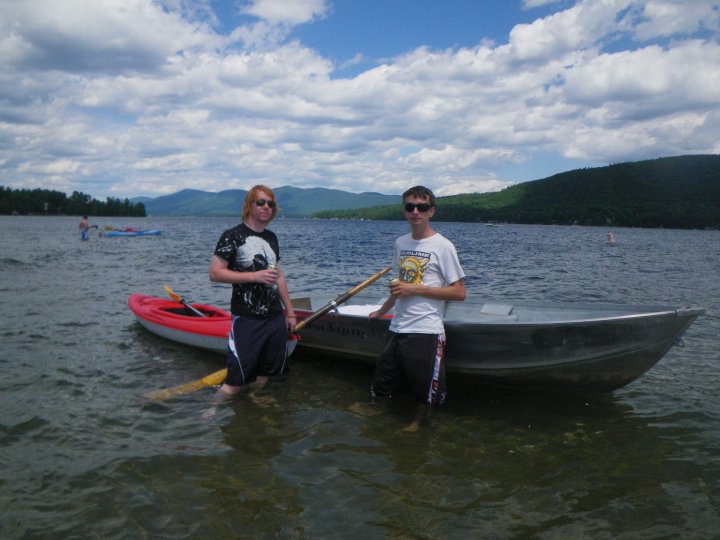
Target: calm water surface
(83, 454)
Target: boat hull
(585, 347)
(600, 353)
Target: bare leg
(257, 386)
(224, 393)
(229, 390)
(423, 410)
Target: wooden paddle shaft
(342, 298)
(180, 300)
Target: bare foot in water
(422, 412)
(412, 427)
(218, 399)
(262, 401)
(364, 409)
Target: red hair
(252, 196)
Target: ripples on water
(84, 455)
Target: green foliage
(676, 192)
(43, 201)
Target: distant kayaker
(247, 256)
(84, 228)
(429, 276)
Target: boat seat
(496, 309)
(461, 313)
(362, 310)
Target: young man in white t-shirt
(429, 276)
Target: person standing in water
(429, 276)
(84, 228)
(247, 256)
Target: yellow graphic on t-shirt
(412, 270)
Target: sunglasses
(263, 202)
(422, 207)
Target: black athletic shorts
(256, 346)
(415, 360)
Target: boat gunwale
(622, 311)
(156, 305)
(511, 320)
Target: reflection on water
(85, 455)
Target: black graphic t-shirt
(248, 251)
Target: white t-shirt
(432, 262)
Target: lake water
(84, 455)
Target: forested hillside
(49, 202)
(675, 192)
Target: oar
(181, 300)
(344, 297)
(219, 376)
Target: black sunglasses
(422, 207)
(263, 202)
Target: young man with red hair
(247, 256)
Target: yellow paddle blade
(211, 380)
(172, 295)
(180, 300)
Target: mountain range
(294, 202)
(675, 192)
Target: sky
(126, 98)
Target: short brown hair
(421, 192)
(251, 197)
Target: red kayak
(178, 323)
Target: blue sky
(379, 29)
(138, 97)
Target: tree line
(48, 202)
(677, 192)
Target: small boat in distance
(130, 232)
(593, 347)
(610, 239)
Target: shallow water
(83, 454)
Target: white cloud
(286, 11)
(455, 186)
(84, 36)
(529, 4)
(60, 166)
(171, 163)
(276, 18)
(580, 27)
(665, 18)
(130, 97)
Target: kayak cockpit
(187, 312)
